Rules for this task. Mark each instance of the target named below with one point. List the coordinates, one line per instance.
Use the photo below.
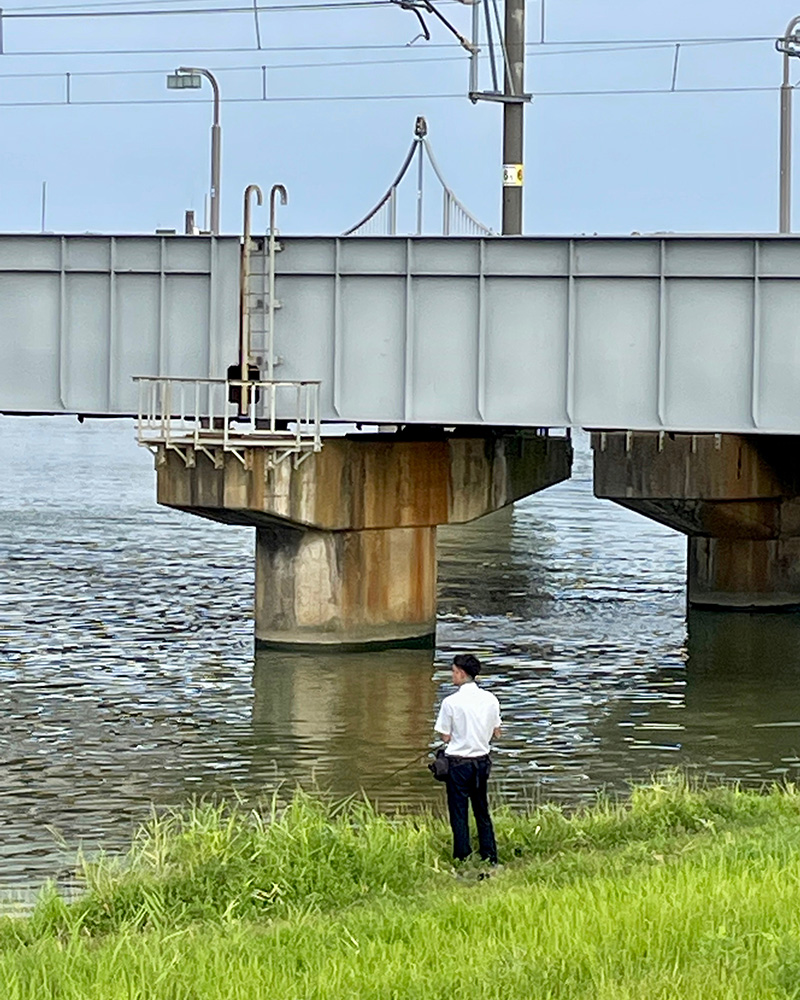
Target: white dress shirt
(468, 717)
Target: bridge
(659, 333)
(459, 358)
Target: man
(467, 722)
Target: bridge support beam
(736, 497)
(346, 541)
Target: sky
(343, 89)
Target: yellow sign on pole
(512, 174)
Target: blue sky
(692, 162)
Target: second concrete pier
(736, 497)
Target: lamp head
(184, 79)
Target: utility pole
(512, 97)
(513, 111)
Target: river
(127, 674)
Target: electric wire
(89, 9)
(354, 98)
(534, 49)
(252, 68)
(285, 49)
(213, 50)
(268, 9)
(293, 99)
(110, 7)
(347, 64)
(35, 9)
(410, 60)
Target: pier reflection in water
(346, 721)
(742, 710)
(127, 674)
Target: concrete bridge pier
(736, 497)
(346, 541)
(743, 573)
(353, 588)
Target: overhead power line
(701, 40)
(131, 102)
(214, 50)
(111, 8)
(345, 98)
(412, 58)
(335, 64)
(338, 64)
(88, 9)
(179, 11)
(97, 4)
(534, 49)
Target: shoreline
(678, 891)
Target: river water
(127, 674)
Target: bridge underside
(736, 498)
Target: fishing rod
(402, 767)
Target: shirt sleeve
(444, 719)
(497, 720)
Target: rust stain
(388, 575)
(696, 466)
(405, 483)
(740, 572)
(258, 480)
(356, 485)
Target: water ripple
(127, 674)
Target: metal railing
(457, 220)
(223, 415)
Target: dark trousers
(467, 781)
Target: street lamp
(190, 78)
(789, 45)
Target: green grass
(678, 893)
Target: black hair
(468, 663)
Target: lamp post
(189, 78)
(789, 45)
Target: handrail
(401, 174)
(244, 278)
(192, 415)
(485, 231)
(422, 145)
(225, 381)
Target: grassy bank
(677, 893)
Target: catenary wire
(37, 10)
(267, 9)
(251, 68)
(92, 9)
(532, 48)
(344, 98)
(346, 63)
(89, 9)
